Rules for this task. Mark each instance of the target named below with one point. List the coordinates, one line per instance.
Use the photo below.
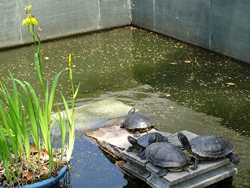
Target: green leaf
(39, 44)
(38, 68)
(77, 89)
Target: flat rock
(113, 140)
(177, 177)
(137, 170)
(199, 181)
(96, 114)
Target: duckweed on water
(178, 85)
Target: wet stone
(113, 140)
(137, 170)
(202, 180)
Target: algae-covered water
(179, 86)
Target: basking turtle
(141, 143)
(167, 156)
(207, 147)
(137, 122)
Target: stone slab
(203, 180)
(98, 114)
(177, 177)
(113, 139)
(137, 170)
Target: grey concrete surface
(113, 140)
(96, 114)
(60, 18)
(200, 181)
(220, 26)
(114, 13)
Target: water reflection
(196, 78)
(179, 86)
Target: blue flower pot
(48, 183)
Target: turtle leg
(130, 148)
(142, 154)
(186, 169)
(153, 127)
(234, 158)
(121, 125)
(162, 172)
(181, 147)
(194, 167)
(137, 134)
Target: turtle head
(152, 139)
(161, 138)
(134, 143)
(131, 111)
(184, 141)
(132, 140)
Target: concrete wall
(221, 26)
(60, 18)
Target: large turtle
(167, 156)
(137, 122)
(141, 143)
(208, 147)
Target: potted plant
(25, 117)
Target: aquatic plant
(24, 115)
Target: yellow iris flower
(29, 7)
(29, 21)
(69, 60)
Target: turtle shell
(166, 155)
(211, 146)
(143, 140)
(137, 121)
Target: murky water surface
(180, 87)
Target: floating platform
(113, 140)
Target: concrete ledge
(220, 26)
(113, 139)
(177, 177)
(60, 18)
(137, 170)
(200, 181)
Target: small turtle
(167, 156)
(207, 147)
(137, 122)
(141, 143)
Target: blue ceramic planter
(49, 183)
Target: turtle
(167, 156)
(208, 147)
(141, 143)
(137, 123)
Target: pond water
(179, 86)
